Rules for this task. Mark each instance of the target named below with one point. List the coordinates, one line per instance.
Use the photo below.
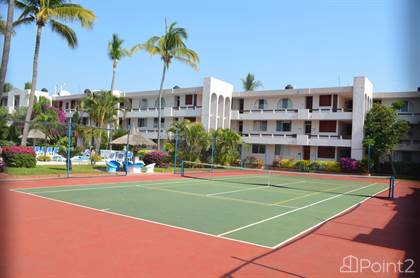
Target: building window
(282, 150)
(17, 100)
(257, 148)
(284, 103)
(156, 121)
(143, 103)
(327, 126)
(284, 126)
(163, 103)
(67, 105)
(260, 125)
(326, 152)
(188, 99)
(260, 104)
(142, 122)
(177, 101)
(407, 107)
(325, 100)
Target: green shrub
(44, 158)
(329, 166)
(96, 157)
(16, 156)
(7, 143)
(20, 160)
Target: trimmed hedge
(43, 158)
(307, 165)
(19, 156)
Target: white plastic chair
(150, 168)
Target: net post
(392, 187)
(212, 151)
(175, 150)
(68, 148)
(126, 151)
(182, 168)
(368, 162)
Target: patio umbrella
(135, 139)
(36, 134)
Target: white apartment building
(311, 123)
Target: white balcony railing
(293, 114)
(182, 111)
(411, 117)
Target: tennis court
(265, 208)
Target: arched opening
(227, 113)
(285, 103)
(260, 104)
(220, 112)
(213, 111)
(163, 103)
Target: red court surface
(44, 238)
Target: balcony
(182, 111)
(269, 138)
(293, 114)
(331, 114)
(265, 114)
(329, 140)
(409, 145)
(153, 133)
(411, 117)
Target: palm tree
(227, 145)
(194, 141)
(53, 13)
(115, 52)
(250, 84)
(169, 46)
(102, 109)
(8, 30)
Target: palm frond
(74, 12)
(65, 32)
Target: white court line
(141, 219)
(252, 188)
(105, 187)
(291, 211)
(326, 220)
(106, 209)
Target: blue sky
(304, 43)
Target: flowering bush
(2, 166)
(160, 158)
(18, 149)
(16, 156)
(348, 164)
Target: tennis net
(264, 177)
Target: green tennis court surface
(235, 206)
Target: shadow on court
(391, 224)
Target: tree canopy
(383, 130)
(250, 84)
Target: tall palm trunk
(33, 86)
(114, 69)
(160, 105)
(99, 140)
(6, 45)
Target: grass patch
(54, 169)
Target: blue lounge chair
(112, 166)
